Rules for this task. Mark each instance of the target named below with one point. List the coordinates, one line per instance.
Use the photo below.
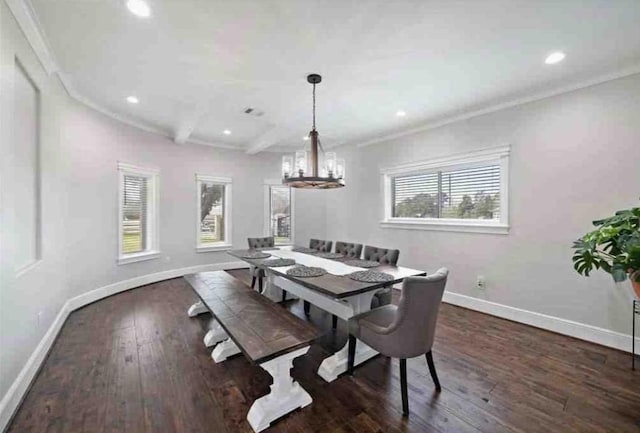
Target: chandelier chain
(314, 107)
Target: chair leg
(253, 282)
(352, 354)
(260, 284)
(403, 386)
(334, 322)
(432, 370)
(307, 307)
(284, 296)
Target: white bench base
(215, 336)
(286, 394)
(197, 308)
(224, 350)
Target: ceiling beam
(267, 139)
(189, 123)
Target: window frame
(267, 210)
(498, 155)
(153, 218)
(227, 243)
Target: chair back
(381, 255)
(320, 245)
(266, 242)
(415, 323)
(349, 249)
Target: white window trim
(268, 183)
(153, 235)
(227, 243)
(498, 155)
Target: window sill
(215, 247)
(138, 257)
(447, 226)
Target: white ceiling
(196, 65)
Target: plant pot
(635, 284)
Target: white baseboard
(20, 385)
(582, 331)
(121, 286)
(14, 396)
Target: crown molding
(27, 19)
(633, 70)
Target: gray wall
(574, 158)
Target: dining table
(335, 291)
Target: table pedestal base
(336, 364)
(286, 394)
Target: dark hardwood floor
(135, 362)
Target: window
(213, 222)
(138, 203)
(463, 193)
(278, 206)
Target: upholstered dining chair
(405, 331)
(350, 250)
(324, 247)
(383, 256)
(320, 245)
(257, 273)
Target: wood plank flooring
(135, 362)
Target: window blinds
(466, 193)
(134, 214)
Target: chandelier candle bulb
(330, 163)
(301, 162)
(287, 166)
(340, 168)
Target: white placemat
(332, 266)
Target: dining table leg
(336, 364)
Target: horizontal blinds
(280, 213)
(470, 193)
(212, 213)
(134, 214)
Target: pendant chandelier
(302, 171)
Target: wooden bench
(266, 333)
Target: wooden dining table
(334, 292)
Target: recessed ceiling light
(401, 113)
(554, 58)
(139, 8)
(226, 132)
(132, 100)
(305, 138)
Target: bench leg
(197, 308)
(286, 394)
(215, 336)
(224, 350)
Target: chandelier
(304, 173)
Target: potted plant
(614, 247)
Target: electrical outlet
(167, 259)
(481, 283)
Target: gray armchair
(405, 331)
(383, 256)
(349, 250)
(257, 273)
(320, 245)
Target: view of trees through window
(211, 213)
(280, 213)
(470, 193)
(134, 214)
